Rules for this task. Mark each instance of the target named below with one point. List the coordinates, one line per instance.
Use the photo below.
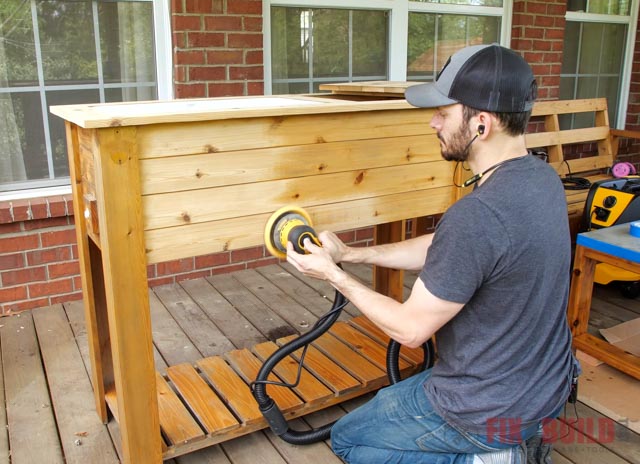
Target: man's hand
(319, 263)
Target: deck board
(238, 311)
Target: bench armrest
(616, 134)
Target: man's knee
(340, 437)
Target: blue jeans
(400, 426)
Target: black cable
(574, 183)
(269, 408)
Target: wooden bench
(586, 152)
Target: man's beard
(458, 145)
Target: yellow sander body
(288, 224)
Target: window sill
(35, 204)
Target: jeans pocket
(446, 439)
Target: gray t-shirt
(504, 251)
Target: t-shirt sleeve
(468, 245)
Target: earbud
(481, 129)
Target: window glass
(311, 46)
(592, 65)
(58, 52)
(612, 7)
(433, 38)
(466, 2)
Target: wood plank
(75, 314)
(195, 206)
(308, 454)
(205, 404)
(541, 108)
(286, 307)
(29, 409)
(230, 135)
(206, 170)
(364, 345)
(270, 324)
(233, 390)
(415, 356)
(71, 392)
(296, 289)
(126, 292)
(176, 422)
(579, 448)
(247, 366)
(202, 332)
(209, 455)
(172, 343)
(196, 239)
(247, 449)
(309, 388)
(238, 330)
(323, 367)
(360, 367)
(325, 289)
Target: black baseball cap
(485, 77)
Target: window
(55, 52)
(596, 59)
(354, 40)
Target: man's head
(487, 78)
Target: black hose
(268, 407)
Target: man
(494, 284)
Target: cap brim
(427, 96)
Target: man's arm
(410, 323)
(406, 255)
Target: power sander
(289, 224)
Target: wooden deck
(50, 415)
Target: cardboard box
(625, 336)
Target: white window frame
(164, 81)
(398, 26)
(625, 78)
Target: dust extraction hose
(270, 410)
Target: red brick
(252, 23)
(180, 74)
(208, 73)
(177, 6)
(64, 298)
(347, 236)
(49, 255)
(251, 73)
(186, 23)
(215, 259)
(70, 268)
(5, 213)
(161, 281)
(193, 275)
(199, 6)
(255, 88)
(17, 306)
(254, 57)
(19, 243)
(244, 7)
(227, 89)
(174, 267)
(179, 40)
(248, 40)
(12, 261)
(223, 23)
(37, 224)
(23, 276)
(536, 7)
(227, 269)
(221, 57)
(190, 90)
(52, 287)
(183, 57)
(13, 294)
(58, 237)
(205, 39)
(247, 254)
(364, 234)
(21, 210)
(39, 208)
(60, 205)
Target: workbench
(615, 246)
(167, 180)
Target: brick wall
(217, 48)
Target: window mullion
(41, 89)
(96, 35)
